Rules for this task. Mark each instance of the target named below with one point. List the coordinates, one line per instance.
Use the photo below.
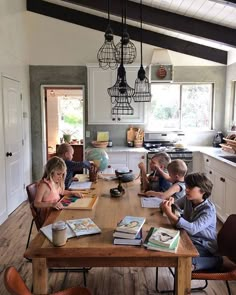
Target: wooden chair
(38, 220)
(16, 286)
(227, 248)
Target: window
(181, 106)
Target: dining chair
(16, 286)
(38, 219)
(227, 248)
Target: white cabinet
(99, 102)
(134, 159)
(223, 177)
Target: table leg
(40, 276)
(183, 276)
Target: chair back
(226, 238)
(14, 283)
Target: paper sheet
(151, 202)
(78, 185)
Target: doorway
(64, 119)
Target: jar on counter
(59, 233)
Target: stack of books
(162, 239)
(129, 231)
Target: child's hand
(141, 166)
(166, 207)
(77, 194)
(75, 179)
(58, 206)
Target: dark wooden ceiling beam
(160, 18)
(152, 38)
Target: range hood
(161, 68)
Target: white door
(13, 136)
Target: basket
(100, 144)
(138, 143)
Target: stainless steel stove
(164, 142)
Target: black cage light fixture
(129, 49)
(121, 93)
(142, 88)
(107, 53)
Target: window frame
(212, 105)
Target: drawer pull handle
(142, 157)
(222, 179)
(109, 166)
(207, 160)
(210, 172)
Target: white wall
(14, 63)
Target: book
(83, 226)
(151, 202)
(136, 241)
(151, 246)
(80, 185)
(164, 237)
(74, 202)
(130, 224)
(119, 234)
(47, 231)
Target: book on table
(136, 241)
(153, 246)
(164, 236)
(130, 224)
(83, 226)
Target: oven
(165, 142)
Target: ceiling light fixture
(107, 53)
(142, 89)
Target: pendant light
(129, 49)
(121, 93)
(142, 89)
(107, 53)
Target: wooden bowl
(100, 144)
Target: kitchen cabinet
(124, 159)
(99, 102)
(223, 177)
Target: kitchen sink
(229, 158)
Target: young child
(66, 152)
(155, 181)
(198, 219)
(177, 169)
(51, 187)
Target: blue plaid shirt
(73, 167)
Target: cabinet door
(134, 159)
(116, 160)
(230, 199)
(210, 175)
(99, 103)
(219, 194)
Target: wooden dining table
(98, 250)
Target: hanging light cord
(141, 27)
(108, 12)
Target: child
(177, 169)
(198, 219)
(155, 181)
(66, 152)
(51, 187)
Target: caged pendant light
(121, 93)
(107, 53)
(129, 49)
(142, 89)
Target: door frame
(43, 89)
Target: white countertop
(118, 149)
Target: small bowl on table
(125, 176)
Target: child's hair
(200, 180)
(62, 149)
(162, 158)
(55, 163)
(177, 167)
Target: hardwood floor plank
(101, 281)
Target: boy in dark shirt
(66, 152)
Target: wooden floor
(101, 281)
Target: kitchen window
(182, 106)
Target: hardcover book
(119, 234)
(83, 226)
(136, 241)
(164, 237)
(130, 224)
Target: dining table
(98, 250)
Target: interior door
(13, 135)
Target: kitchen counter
(117, 149)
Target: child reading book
(51, 187)
(155, 181)
(177, 170)
(198, 219)
(66, 152)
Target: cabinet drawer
(118, 158)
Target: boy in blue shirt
(198, 219)
(66, 152)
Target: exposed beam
(152, 38)
(169, 20)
